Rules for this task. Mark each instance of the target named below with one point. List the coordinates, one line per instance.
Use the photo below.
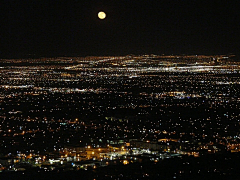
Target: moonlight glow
(101, 15)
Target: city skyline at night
(119, 89)
(83, 116)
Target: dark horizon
(72, 28)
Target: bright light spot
(101, 15)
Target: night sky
(72, 28)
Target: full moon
(101, 15)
